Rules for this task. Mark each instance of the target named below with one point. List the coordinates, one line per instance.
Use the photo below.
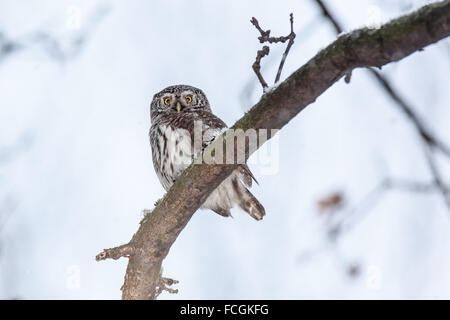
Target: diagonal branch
(361, 48)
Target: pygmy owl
(173, 112)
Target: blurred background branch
(60, 49)
(343, 217)
(430, 140)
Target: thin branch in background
(329, 16)
(7, 46)
(59, 49)
(420, 126)
(354, 215)
(265, 37)
(291, 38)
(437, 178)
(433, 142)
(409, 185)
(342, 218)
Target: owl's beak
(178, 106)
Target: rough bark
(360, 48)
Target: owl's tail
(234, 190)
(247, 201)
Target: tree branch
(361, 48)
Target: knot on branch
(125, 250)
(163, 285)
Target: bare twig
(291, 37)
(361, 48)
(304, 33)
(257, 66)
(265, 37)
(437, 179)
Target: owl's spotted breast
(171, 151)
(172, 142)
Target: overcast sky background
(76, 168)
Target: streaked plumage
(173, 112)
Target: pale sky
(76, 168)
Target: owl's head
(179, 98)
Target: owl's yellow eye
(188, 99)
(166, 101)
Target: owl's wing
(215, 127)
(212, 126)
